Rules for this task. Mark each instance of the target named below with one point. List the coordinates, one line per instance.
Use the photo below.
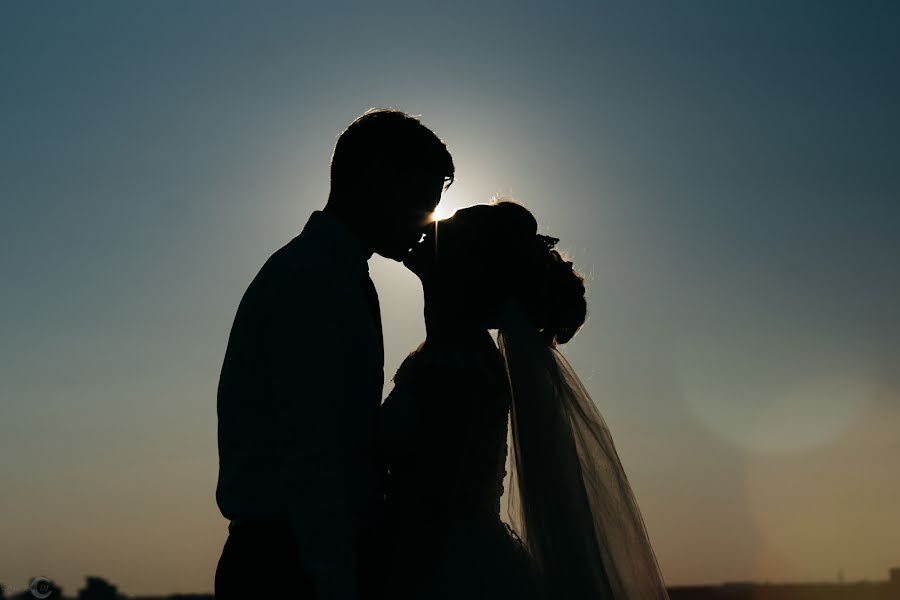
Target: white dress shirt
(298, 399)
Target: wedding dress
(573, 529)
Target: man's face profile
(413, 199)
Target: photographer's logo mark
(41, 588)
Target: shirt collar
(341, 244)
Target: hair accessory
(546, 242)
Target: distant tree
(97, 588)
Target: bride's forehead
(472, 214)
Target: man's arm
(311, 367)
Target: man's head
(387, 174)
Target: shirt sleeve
(311, 340)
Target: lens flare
(443, 211)
(774, 396)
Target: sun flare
(443, 211)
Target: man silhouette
(301, 383)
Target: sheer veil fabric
(569, 499)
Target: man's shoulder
(300, 272)
(302, 261)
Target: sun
(443, 211)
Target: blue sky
(726, 175)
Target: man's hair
(382, 143)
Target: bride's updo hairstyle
(544, 284)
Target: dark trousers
(260, 561)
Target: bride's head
(475, 262)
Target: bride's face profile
(453, 260)
(450, 245)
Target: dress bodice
(443, 431)
(444, 436)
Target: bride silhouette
(575, 530)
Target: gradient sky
(727, 174)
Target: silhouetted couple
(332, 494)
